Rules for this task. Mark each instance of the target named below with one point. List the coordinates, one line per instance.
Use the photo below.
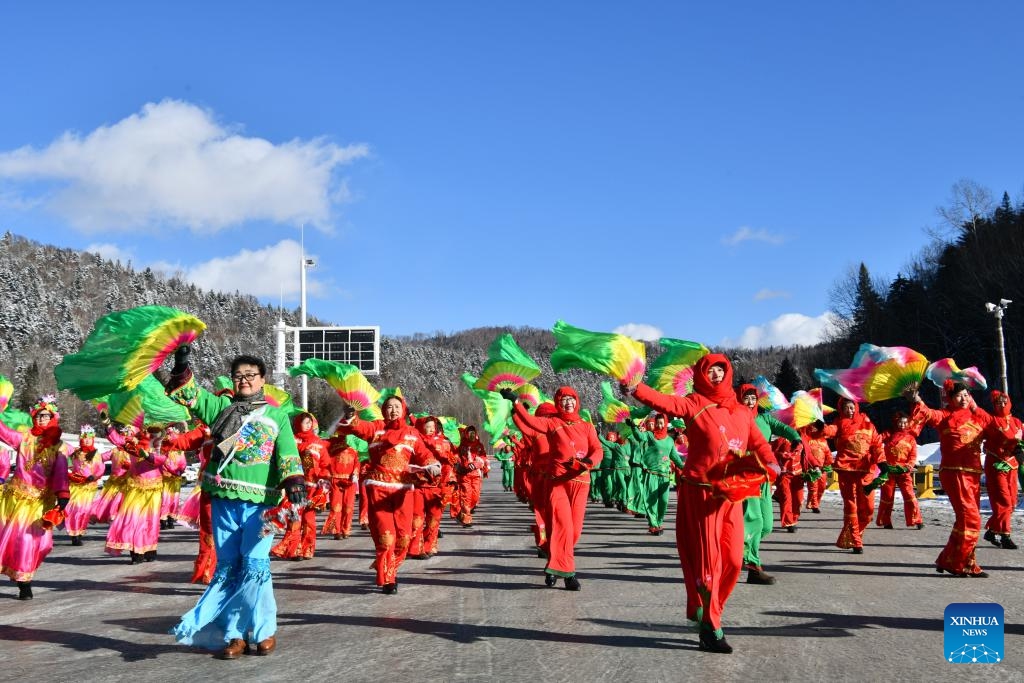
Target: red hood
(743, 391)
(722, 394)
(996, 410)
(567, 391)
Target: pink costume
(86, 470)
(136, 525)
(171, 471)
(39, 478)
(106, 505)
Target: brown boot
(235, 649)
(759, 577)
(266, 646)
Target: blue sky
(707, 170)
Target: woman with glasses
(254, 458)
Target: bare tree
(969, 203)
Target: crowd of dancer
(261, 469)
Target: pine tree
(30, 391)
(787, 379)
(867, 313)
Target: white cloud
(766, 294)
(748, 234)
(174, 164)
(789, 329)
(269, 272)
(640, 331)
(110, 252)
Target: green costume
(616, 454)
(656, 458)
(507, 468)
(245, 472)
(636, 501)
(758, 515)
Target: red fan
(739, 477)
(52, 518)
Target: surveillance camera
(1005, 302)
(311, 262)
(990, 307)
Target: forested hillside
(50, 297)
(938, 305)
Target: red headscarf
(421, 424)
(394, 433)
(297, 423)
(1000, 411)
(722, 393)
(659, 433)
(850, 423)
(574, 416)
(743, 391)
(50, 434)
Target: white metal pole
(302, 312)
(1002, 351)
(279, 356)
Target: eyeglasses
(248, 377)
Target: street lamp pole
(998, 310)
(304, 264)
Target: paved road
(480, 611)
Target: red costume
(817, 455)
(472, 467)
(206, 559)
(900, 447)
(520, 458)
(538, 483)
(299, 541)
(1001, 470)
(858, 451)
(428, 503)
(961, 431)
(341, 466)
(574, 450)
(789, 487)
(394, 447)
(709, 529)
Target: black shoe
(440, 534)
(759, 577)
(709, 643)
(149, 556)
(76, 540)
(24, 590)
(390, 588)
(572, 583)
(990, 536)
(978, 575)
(791, 529)
(816, 511)
(550, 580)
(920, 525)
(887, 526)
(1006, 543)
(858, 550)
(137, 558)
